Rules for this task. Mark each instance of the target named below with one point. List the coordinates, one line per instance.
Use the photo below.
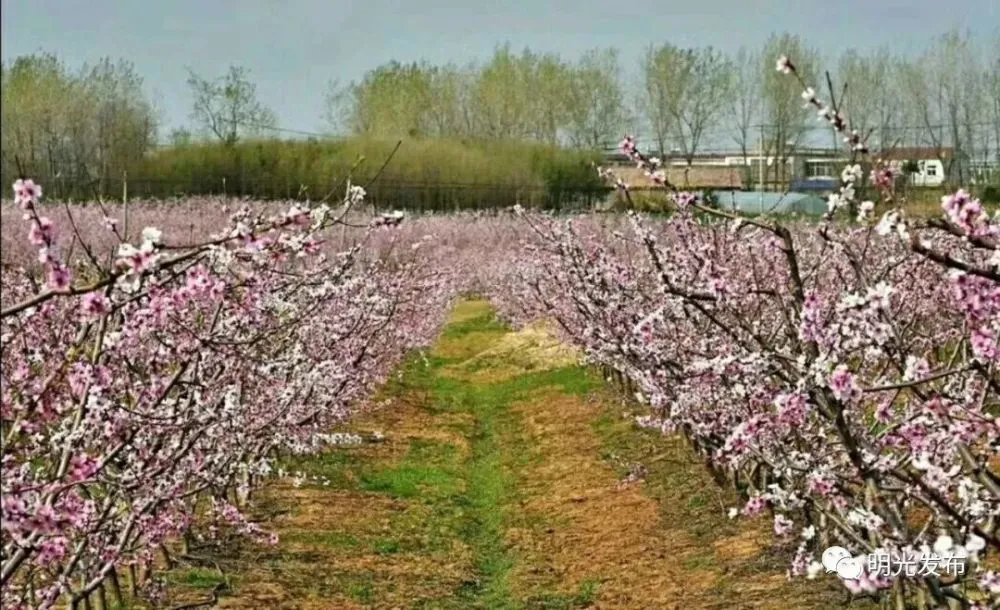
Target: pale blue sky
(294, 47)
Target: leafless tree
(227, 107)
(868, 98)
(783, 112)
(73, 127)
(703, 87)
(663, 70)
(596, 104)
(745, 102)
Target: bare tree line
(91, 122)
(90, 125)
(82, 125)
(685, 99)
(513, 96)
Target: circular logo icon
(850, 568)
(832, 555)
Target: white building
(810, 169)
(929, 163)
(930, 172)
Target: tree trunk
(116, 589)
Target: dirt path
(507, 478)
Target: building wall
(931, 173)
(726, 171)
(696, 177)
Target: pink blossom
(627, 145)
(14, 512)
(313, 246)
(27, 194)
(138, 260)
(821, 485)
(782, 525)
(843, 384)
(885, 176)
(685, 199)
(754, 506)
(990, 582)
(968, 214)
(984, 343)
(59, 277)
(792, 409)
(45, 520)
(42, 232)
(82, 467)
(95, 304)
(52, 550)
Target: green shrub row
(427, 174)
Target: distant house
(710, 171)
(928, 162)
(819, 172)
(696, 177)
(707, 171)
(806, 170)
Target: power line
(281, 129)
(267, 127)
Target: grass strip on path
(509, 478)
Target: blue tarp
(815, 184)
(756, 202)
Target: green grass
(570, 380)
(483, 323)
(675, 478)
(338, 540)
(583, 598)
(428, 469)
(386, 546)
(488, 480)
(488, 497)
(199, 578)
(697, 501)
(497, 449)
(449, 493)
(361, 588)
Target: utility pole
(760, 166)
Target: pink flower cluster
(969, 215)
(27, 195)
(159, 376)
(844, 380)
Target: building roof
(697, 177)
(917, 153)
